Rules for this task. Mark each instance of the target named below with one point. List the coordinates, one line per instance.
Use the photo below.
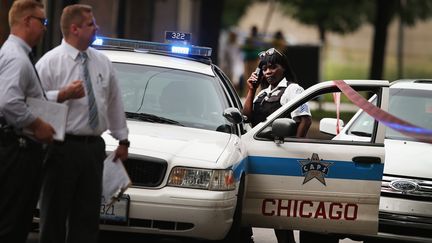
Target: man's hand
(121, 153)
(74, 90)
(42, 131)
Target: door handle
(367, 159)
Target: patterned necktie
(93, 112)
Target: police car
(199, 171)
(406, 190)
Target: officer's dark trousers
(71, 191)
(20, 178)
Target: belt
(9, 136)
(82, 138)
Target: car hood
(168, 141)
(408, 158)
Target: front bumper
(405, 220)
(179, 212)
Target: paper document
(51, 112)
(115, 179)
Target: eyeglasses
(269, 52)
(44, 21)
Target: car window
(323, 106)
(363, 125)
(414, 106)
(192, 99)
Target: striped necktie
(93, 112)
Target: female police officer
(279, 86)
(278, 83)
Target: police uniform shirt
(291, 91)
(62, 65)
(18, 80)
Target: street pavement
(261, 235)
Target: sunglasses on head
(44, 21)
(269, 52)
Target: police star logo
(314, 168)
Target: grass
(319, 114)
(356, 68)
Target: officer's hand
(121, 153)
(74, 90)
(42, 131)
(252, 81)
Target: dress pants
(20, 177)
(71, 191)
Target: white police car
(406, 190)
(197, 171)
(186, 160)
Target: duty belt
(8, 135)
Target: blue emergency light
(176, 48)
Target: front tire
(237, 233)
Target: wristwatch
(125, 143)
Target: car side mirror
(282, 128)
(328, 126)
(233, 115)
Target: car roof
(424, 84)
(159, 60)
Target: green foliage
(233, 10)
(320, 114)
(414, 10)
(339, 16)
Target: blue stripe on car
(292, 167)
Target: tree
(339, 16)
(232, 11)
(410, 12)
(384, 12)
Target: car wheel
(308, 237)
(237, 233)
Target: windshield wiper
(151, 118)
(361, 134)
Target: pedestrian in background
(278, 86)
(72, 183)
(232, 63)
(251, 47)
(21, 157)
(279, 42)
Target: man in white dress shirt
(84, 80)
(21, 157)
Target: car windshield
(414, 106)
(171, 96)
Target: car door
(312, 183)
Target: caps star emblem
(314, 168)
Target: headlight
(216, 180)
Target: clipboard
(115, 179)
(51, 112)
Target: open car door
(314, 183)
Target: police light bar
(153, 46)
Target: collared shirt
(291, 91)
(18, 80)
(62, 65)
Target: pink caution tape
(336, 98)
(404, 127)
